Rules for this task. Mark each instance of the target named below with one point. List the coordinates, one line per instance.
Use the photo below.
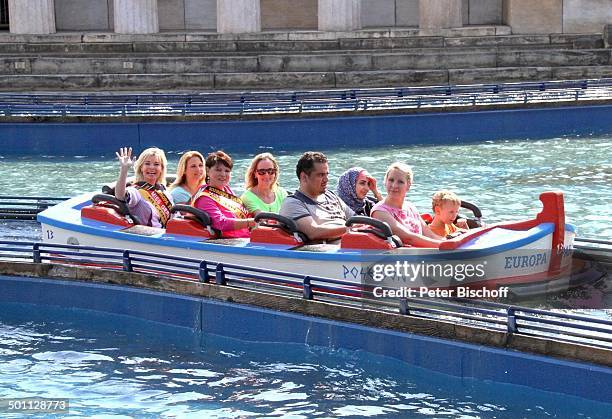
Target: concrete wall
(70, 15)
(376, 13)
(180, 15)
(525, 16)
(407, 13)
(289, 14)
(528, 16)
(482, 12)
(586, 15)
(201, 15)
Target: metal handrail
(25, 207)
(512, 319)
(109, 105)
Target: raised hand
(124, 155)
(374, 187)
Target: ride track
(304, 102)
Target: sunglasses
(262, 172)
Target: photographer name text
(457, 292)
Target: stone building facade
(237, 16)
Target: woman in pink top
(225, 209)
(403, 218)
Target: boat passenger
(403, 217)
(147, 199)
(445, 206)
(226, 211)
(261, 183)
(353, 188)
(190, 175)
(318, 212)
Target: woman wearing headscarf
(353, 188)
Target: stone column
(440, 14)
(339, 15)
(238, 16)
(32, 16)
(136, 16)
(528, 16)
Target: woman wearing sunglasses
(261, 183)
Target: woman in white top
(190, 175)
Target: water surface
(120, 366)
(504, 178)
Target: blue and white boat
(526, 252)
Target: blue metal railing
(511, 319)
(25, 207)
(22, 105)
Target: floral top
(408, 215)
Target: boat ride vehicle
(530, 251)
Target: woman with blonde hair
(147, 199)
(190, 175)
(403, 217)
(263, 194)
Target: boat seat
(108, 209)
(273, 228)
(369, 233)
(194, 222)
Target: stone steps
(294, 80)
(342, 61)
(259, 46)
(295, 60)
(160, 53)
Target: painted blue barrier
(288, 134)
(260, 325)
(512, 319)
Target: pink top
(220, 217)
(408, 216)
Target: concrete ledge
(553, 57)
(100, 37)
(134, 82)
(358, 315)
(294, 80)
(568, 73)
(392, 43)
(442, 59)
(493, 75)
(315, 62)
(391, 78)
(470, 41)
(578, 40)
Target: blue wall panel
(260, 325)
(69, 139)
(251, 136)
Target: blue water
(117, 366)
(504, 178)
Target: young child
(445, 205)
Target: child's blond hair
(440, 197)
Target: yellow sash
(226, 200)
(158, 199)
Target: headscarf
(346, 188)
